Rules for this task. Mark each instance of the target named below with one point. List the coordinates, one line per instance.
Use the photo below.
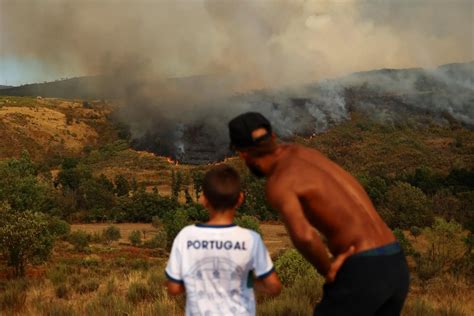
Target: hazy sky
(269, 43)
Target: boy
(214, 262)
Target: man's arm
(303, 235)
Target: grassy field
(119, 279)
(276, 237)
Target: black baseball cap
(242, 126)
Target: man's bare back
(368, 273)
(331, 199)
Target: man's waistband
(385, 250)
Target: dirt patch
(274, 235)
(125, 229)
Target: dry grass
(125, 229)
(275, 235)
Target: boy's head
(221, 188)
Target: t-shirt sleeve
(263, 265)
(174, 269)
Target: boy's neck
(221, 217)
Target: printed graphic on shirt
(205, 296)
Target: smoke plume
(183, 68)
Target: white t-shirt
(216, 263)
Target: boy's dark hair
(221, 187)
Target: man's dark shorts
(373, 282)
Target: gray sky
(265, 43)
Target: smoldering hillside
(180, 70)
(193, 129)
(444, 95)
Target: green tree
(187, 196)
(21, 188)
(105, 183)
(122, 187)
(410, 206)
(24, 238)
(142, 206)
(425, 179)
(73, 177)
(375, 186)
(93, 196)
(255, 202)
(173, 223)
(198, 177)
(176, 183)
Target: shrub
(410, 205)
(255, 203)
(111, 305)
(138, 292)
(135, 238)
(86, 286)
(96, 237)
(122, 187)
(111, 233)
(307, 291)
(54, 308)
(139, 264)
(375, 186)
(61, 291)
(24, 238)
(58, 274)
(90, 261)
(197, 213)
(174, 222)
(59, 228)
(155, 283)
(291, 265)
(79, 239)
(446, 248)
(404, 242)
(418, 308)
(250, 222)
(415, 231)
(158, 241)
(156, 222)
(13, 297)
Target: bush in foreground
(24, 238)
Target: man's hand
(337, 263)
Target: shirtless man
(367, 273)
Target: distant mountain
(75, 88)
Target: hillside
(48, 128)
(53, 128)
